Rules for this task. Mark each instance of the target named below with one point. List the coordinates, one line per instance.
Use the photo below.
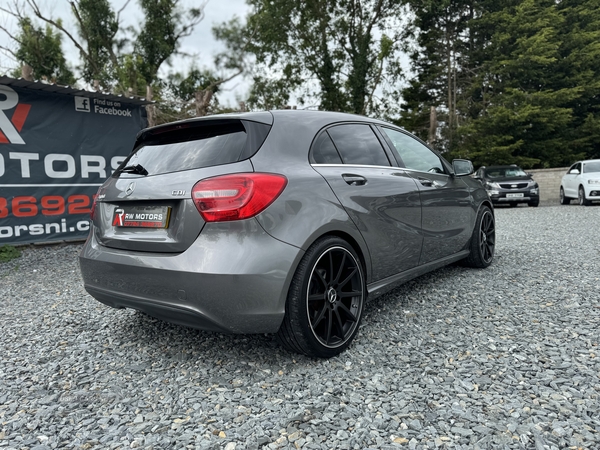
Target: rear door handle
(354, 180)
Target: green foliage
(185, 87)
(267, 94)
(165, 23)
(128, 77)
(97, 26)
(41, 48)
(520, 84)
(343, 45)
(8, 253)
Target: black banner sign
(55, 151)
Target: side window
(324, 151)
(415, 155)
(358, 144)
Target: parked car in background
(279, 222)
(509, 185)
(582, 181)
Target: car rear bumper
(214, 285)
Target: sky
(201, 42)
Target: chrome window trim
(355, 165)
(379, 167)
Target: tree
(41, 49)
(341, 51)
(516, 81)
(441, 56)
(164, 27)
(178, 94)
(527, 118)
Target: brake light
(236, 196)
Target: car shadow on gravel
(173, 343)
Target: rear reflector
(237, 196)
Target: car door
(571, 180)
(382, 200)
(446, 201)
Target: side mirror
(462, 167)
(574, 171)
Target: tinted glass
(206, 146)
(358, 144)
(590, 167)
(413, 154)
(505, 172)
(324, 151)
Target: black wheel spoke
(318, 319)
(339, 274)
(320, 277)
(348, 278)
(351, 316)
(329, 327)
(350, 294)
(331, 266)
(487, 252)
(316, 297)
(339, 325)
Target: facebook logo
(82, 104)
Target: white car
(582, 181)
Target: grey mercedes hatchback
(279, 222)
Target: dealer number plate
(514, 195)
(142, 217)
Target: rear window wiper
(137, 169)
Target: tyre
(564, 200)
(325, 301)
(483, 241)
(582, 200)
(534, 204)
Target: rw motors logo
(10, 128)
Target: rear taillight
(237, 196)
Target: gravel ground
(503, 358)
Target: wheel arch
(487, 203)
(355, 246)
(490, 205)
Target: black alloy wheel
(325, 301)
(483, 241)
(335, 295)
(582, 200)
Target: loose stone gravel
(502, 358)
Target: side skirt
(387, 284)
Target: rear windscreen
(189, 149)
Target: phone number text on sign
(45, 210)
(48, 205)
